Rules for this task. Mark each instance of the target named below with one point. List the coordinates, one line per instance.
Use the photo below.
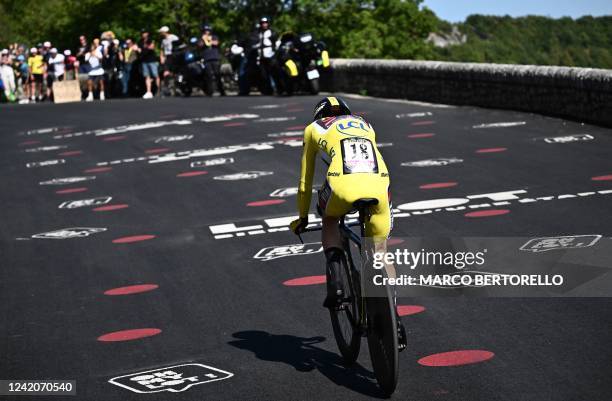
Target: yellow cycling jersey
(37, 64)
(356, 167)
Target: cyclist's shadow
(303, 355)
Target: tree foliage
(351, 28)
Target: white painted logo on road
(175, 138)
(46, 163)
(569, 138)
(45, 148)
(500, 125)
(433, 162)
(71, 232)
(564, 242)
(245, 175)
(413, 115)
(212, 162)
(174, 379)
(67, 180)
(275, 252)
(102, 200)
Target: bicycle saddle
(365, 203)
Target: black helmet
(329, 107)
(264, 19)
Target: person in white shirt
(55, 70)
(96, 72)
(7, 75)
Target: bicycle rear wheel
(345, 317)
(382, 340)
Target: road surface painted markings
(266, 202)
(133, 238)
(602, 178)
(114, 138)
(308, 280)
(487, 213)
(192, 173)
(127, 335)
(491, 150)
(71, 153)
(436, 185)
(156, 150)
(109, 208)
(131, 289)
(456, 358)
(98, 170)
(71, 190)
(418, 136)
(407, 310)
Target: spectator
(212, 56)
(165, 56)
(36, 71)
(72, 65)
(55, 70)
(96, 72)
(80, 54)
(22, 75)
(129, 56)
(267, 40)
(149, 64)
(7, 75)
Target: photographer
(212, 56)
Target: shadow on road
(304, 356)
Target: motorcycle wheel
(313, 86)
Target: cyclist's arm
(309, 154)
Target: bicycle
(361, 313)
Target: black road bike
(366, 310)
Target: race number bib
(358, 156)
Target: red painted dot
(487, 213)
(395, 241)
(127, 335)
(491, 150)
(114, 138)
(131, 289)
(98, 170)
(156, 150)
(31, 142)
(108, 208)
(417, 136)
(192, 173)
(456, 358)
(236, 124)
(292, 138)
(71, 190)
(308, 280)
(266, 202)
(71, 153)
(296, 127)
(407, 310)
(294, 110)
(602, 178)
(133, 238)
(438, 185)
(417, 123)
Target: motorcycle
(301, 60)
(190, 70)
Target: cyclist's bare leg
(330, 233)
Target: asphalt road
(162, 263)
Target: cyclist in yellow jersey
(356, 170)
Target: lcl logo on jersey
(564, 242)
(173, 378)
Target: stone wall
(582, 94)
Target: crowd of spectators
(104, 67)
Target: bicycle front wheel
(382, 340)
